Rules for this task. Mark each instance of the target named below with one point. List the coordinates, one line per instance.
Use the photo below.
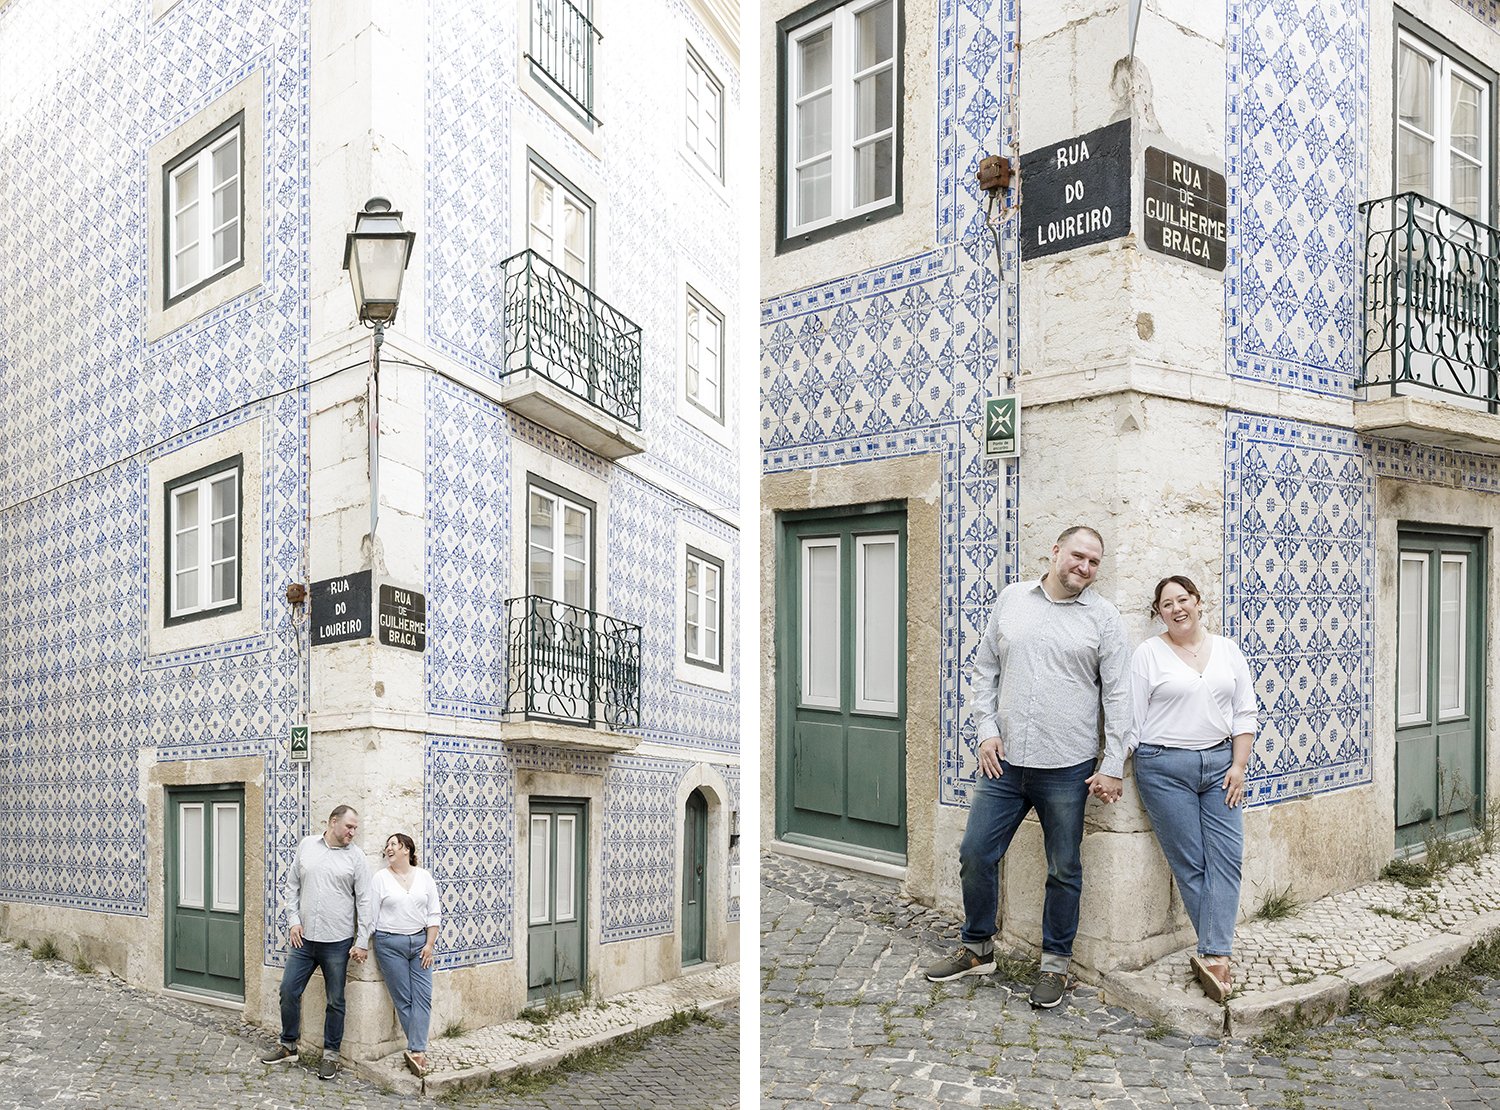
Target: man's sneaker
(330, 1065)
(963, 962)
(281, 1054)
(1049, 989)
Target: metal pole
(373, 405)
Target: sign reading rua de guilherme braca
(1186, 209)
(1077, 192)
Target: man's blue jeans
(332, 957)
(1202, 838)
(996, 810)
(409, 983)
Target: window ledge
(572, 737)
(1437, 423)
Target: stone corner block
(1315, 1002)
(1189, 1013)
(1426, 958)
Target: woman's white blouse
(405, 911)
(1174, 706)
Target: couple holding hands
(1054, 656)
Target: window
(559, 545)
(203, 542)
(704, 357)
(705, 115)
(839, 120)
(560, 222)
(1442, 128)
(702, 610)
(204, 198)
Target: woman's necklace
(1194, 652)
(404, 877)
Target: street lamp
(376, 254)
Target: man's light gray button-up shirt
(325, 887)
(1044, 671)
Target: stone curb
(1315, 1002)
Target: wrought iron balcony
(557, 331)
(1431, 281)
(570, 664)
(562, 48)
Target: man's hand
(1106, 788)
(991, 752)
(359, 954)
(294, 934)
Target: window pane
(874, 164)
(820, 622)
(875, 103)
(875, 629)
(1414, 89)
(1452, 628)
(539, 561)
(1411, 639)
(815, 127)
(576, 238)
(814, 191)
(1413, 163)
(223, 545)
(186, 181)
(227, 161)
(226, 204)
(187, 591)
(541, 878)
(190, 854)
(223, 583)
(575, 532)
(815, 59)
(226, 246)
(1467, 122)
(223, 497)
(875, 35)
(541, 215)
(186, 549)
(566, 871)
(1464, 184)
(227, 858)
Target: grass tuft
(454, 1029)
(1278, 904)
(46, 950)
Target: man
(1052, 655)
(330, 909)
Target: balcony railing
(556, 327)
(1431, 283)
(571, 664)
(562, 48)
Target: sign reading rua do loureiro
(1077, 192)
(341, 608)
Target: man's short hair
(340, 811)
(1080, 528)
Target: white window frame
(226, 901)
(1452, 712)
(560, 503)
(201, 158)
(842, 112)
(1419, 641)
(862, 702)
(190, 898)
(696, 609)
(565, 891)
(203, 603)
(533, 894)
(562, 189)
(835, 701)
(1445, 68)
(694, 366)
(703, 114)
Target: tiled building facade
(1239, 424)
(181, 445)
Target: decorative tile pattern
(897, 360)
(1298, 86)
(1486, 11)
(638, 872)
(1434, 466)
(1299, 563)
(469, 827)
(731, 776)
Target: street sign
(1186, 209)
(1077, 192)
(301, 745)
(403, 618)
(1002, 427)
(341, 608)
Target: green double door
(1439, 684)
(205, 890)
(841, 682)
(556, 899)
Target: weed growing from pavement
(1159, 1029)
(1015, 969)
(933, 996)
(526, 1083)
(82, 965)
(454, 1029)
(46, 950)
(1278, 904)
(888, 1026)
(1284, 1037)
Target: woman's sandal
(1214, 978)
(417, 1063)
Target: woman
(406, 928)
(1193, 718)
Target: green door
(841, 682)
(205, 890)
(1439, 687)
(694, 889)
(557, 898)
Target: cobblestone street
(848, 1020)
(68, 1038)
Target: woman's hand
(1234, 785)
(426, 956)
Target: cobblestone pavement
(68, 1038)
(848, 1020)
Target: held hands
(294, 934)
(359, 954)
(991, 752)
(1234, 785)
(427, 956)
(1106, 788)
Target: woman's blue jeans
(996, 809)
(1202, 838)
(409, 983)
